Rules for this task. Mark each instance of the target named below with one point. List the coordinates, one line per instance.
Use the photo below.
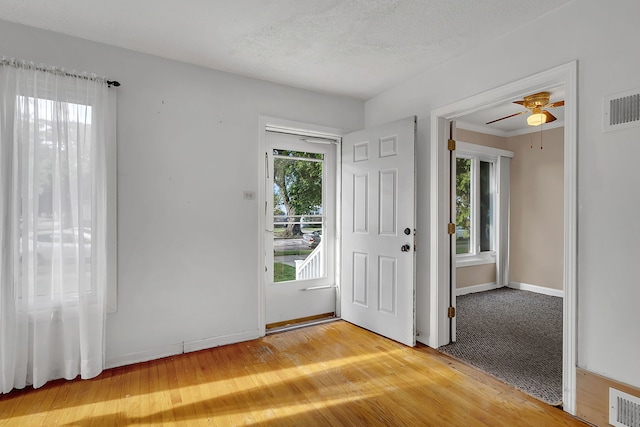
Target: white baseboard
(175, 349)
(202, 344)
(144, 356)
(476, 288)
(537, 289)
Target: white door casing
(452, 237)
(378, 225)
(565, 75)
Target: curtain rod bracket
(114, 83)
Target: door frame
(303, 129)
(439, 290)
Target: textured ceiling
(356, 48)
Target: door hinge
(451, 312)
(451, 228)
(451, 145)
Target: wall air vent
(624, 409)
(622, 110)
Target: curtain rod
(54, 70)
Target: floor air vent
(624, 409)
(622, 110)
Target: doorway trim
(296, 128)
(565, 75)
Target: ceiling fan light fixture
(535, 104)
(537, 118)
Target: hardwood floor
(333, 374)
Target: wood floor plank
(26, 402)
(63, 400)
(163, 402)
(86, 391)
(219, 388)
(333, 374)
(131, 393)
(144, 396)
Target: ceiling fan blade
(550, 117)
(555, 104)
(521, 102)
(507, 117)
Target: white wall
(603, 37)
(187, 148)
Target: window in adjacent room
(475, 213)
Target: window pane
(56, 205)
(486, 207)
(463, 206)
(297, 216)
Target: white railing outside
(312, 266)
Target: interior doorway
(442, 249)
(508, 289)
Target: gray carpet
(515, 336)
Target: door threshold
(275, 328)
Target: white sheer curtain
(52, 224)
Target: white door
(378, 223)
(301, 224)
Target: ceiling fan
(535, 104)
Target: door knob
(405, 248)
